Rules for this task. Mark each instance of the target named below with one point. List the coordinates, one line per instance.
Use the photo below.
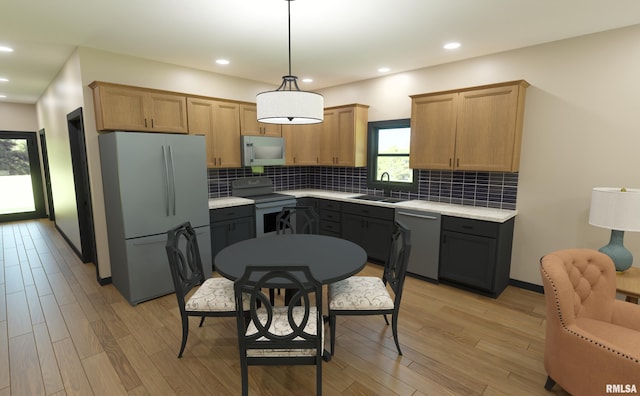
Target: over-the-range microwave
(262, 150)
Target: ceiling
(333, 41)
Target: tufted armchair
(592, 339)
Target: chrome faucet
(387, 189)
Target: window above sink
(388, 156)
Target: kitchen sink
(378, 198)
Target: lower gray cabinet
(476, 254)
(231, 225)
(370, 227)
(330, 217)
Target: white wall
(581, 130)
(63, 96)
(15, 117)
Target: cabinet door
(352, 228)
(343, 140)
(167, 112)
(219, 236)
(377, 238)
(228, 232)
(486, 129)
(468, 259)
(200, 112)
(328, 138)
(249, 125)
(374, 235)
(241, 229)
(136, 109)
(119, 108)
(301, 144)
(351, 137)
(345, 145)
(218, 121)
(433, 131)
(226, 129)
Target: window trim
(372, 151)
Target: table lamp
(619, 210)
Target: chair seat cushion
(359, 293)
(215, 294)
(280, 326)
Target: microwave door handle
(251, 156)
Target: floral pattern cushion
(280, 326)
(359, 293)
(214, 295)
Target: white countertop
(471, 212)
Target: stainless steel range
(268, 203)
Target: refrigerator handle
(173, 180)
(166, 174)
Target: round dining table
(329, 259)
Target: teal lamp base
(621, 257)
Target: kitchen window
(389, 154)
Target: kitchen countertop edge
(470, 212)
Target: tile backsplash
(483, 189)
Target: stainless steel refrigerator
(152, 182)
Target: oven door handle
(275, 204)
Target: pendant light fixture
(288, 104)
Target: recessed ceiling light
(3, 96)
(2, 79)
(383, 69)
(5, 49)
(307, 80)
(222, 61)
(452, 45)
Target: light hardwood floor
(62, 333)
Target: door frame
(47, 174)
(79, 164)
(36, 177)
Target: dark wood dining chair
(295, 220)
(368, 295)
(214, 296)
(280, 335)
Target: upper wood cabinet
(343, 141)
(302, 143)
(477, 129)
(219, 122)
(125, 108)
(249, 124)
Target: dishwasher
(425, 241)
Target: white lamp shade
(615, 209)
(290, 107)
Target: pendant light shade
(288, 104)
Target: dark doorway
(20, 178)
(47, 175)
(75, 124)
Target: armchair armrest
(626, 314)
